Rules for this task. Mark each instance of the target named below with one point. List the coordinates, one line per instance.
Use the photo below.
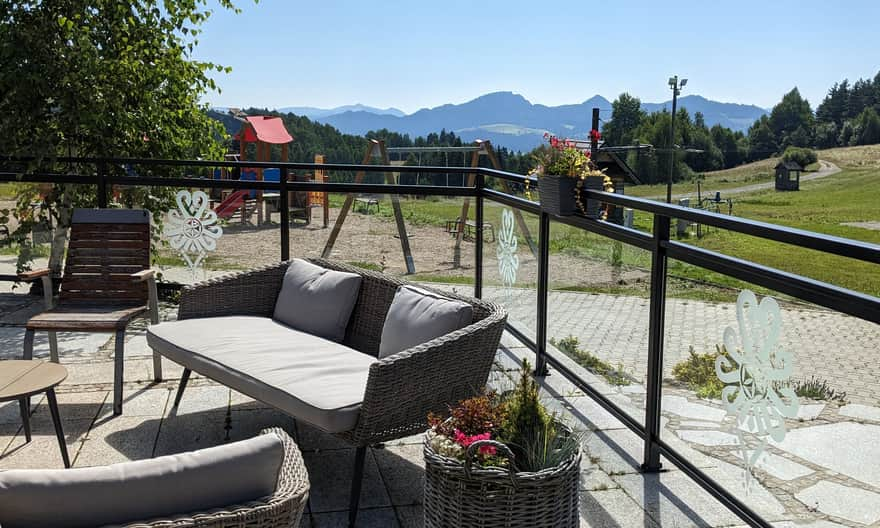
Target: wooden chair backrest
(106, 246)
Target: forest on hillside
(311, 137)
(847, 116)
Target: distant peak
(596, 98)
(502, 95)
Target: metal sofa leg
(28, 352)
(356, 480)
(184, 378)
(118, 369)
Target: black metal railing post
(478, 245)
(284, 211)
(102, 185)
(656, 316)
(543, 292)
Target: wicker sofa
(393, 394)
(157, 492)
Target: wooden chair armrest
(34, 274)
(143, 275)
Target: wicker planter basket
(458, 495)
(557, 194)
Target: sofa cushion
(141, 490)
(417, 316)
(317, 300)
(308, 377)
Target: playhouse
(262, 132)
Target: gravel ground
(372, 239)
(368, 238)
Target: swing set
(376, 150)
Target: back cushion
(417, 316)
(317, 300)
(133, 491)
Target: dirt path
(826, 168)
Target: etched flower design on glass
(755, 369)
(508, 260)
(192, 228)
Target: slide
(232, 203)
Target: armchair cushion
(177, 484)
(317, 300)
(417, 316)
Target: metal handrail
(657, 242)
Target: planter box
(458, 495)
(557, 194)
(591, 207)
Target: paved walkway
(826, 168)
(829, 345)
(824, 473)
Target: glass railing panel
(598, 318)
(510, 264)
(776, 400)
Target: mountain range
(315, 113)
(510, 120)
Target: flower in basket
(561, 158)
(560, 161)
(516, 418)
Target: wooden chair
(106, 284)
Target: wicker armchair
(284, 508)
(402, 388)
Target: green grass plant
(570, 346)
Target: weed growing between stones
(613, 375)
(697, 372)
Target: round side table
(21, 379)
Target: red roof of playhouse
(266, 129)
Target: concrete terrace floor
(613, 492)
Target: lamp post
(676, 87)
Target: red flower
(464, 441)
(595, 135)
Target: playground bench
(366, 201)
(470, 229)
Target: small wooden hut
(788, 176)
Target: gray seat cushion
(317, 300)
(417, 316)
(308, 377)
(162, 487)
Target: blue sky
(413, 55)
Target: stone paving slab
(615, 328)
(852, 504)
(613, 491)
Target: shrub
(533, 434)
(517, 419)
(698, 373)
(801, 156)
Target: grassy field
(822, 205)
(757, 172)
